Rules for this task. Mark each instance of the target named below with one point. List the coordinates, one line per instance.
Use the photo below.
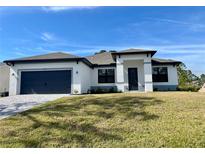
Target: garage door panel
(46, 82)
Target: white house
(127, 70)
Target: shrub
(191, 88)
(104, 90)
(100, 90)
(112, 90)
(4, 94)
(155, 89)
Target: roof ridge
(104, 58)
(98, 54)
(53, 55)
(163, 58)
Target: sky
(175, 32)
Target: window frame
(106, 77)
(160, 77)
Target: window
(106, 76)
(160, 74)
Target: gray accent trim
(120, 82)
(120, 63)
(165, 87)
(105, 65)
(147, 62)
(103, 87)
(148, 82)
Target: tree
(101, 51)
(202, 78)
(112, 51)
(187, 80)
(182, 74)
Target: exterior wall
(85, 75)
(172, 79)
(4, 78)
(77, 73)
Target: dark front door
(46, 82)
(133, 78)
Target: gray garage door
(46, 82)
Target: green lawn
(174, 119)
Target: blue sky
(176, 32)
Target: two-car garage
(45, 82)
(52, 73)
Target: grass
(175, 119)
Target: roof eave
(8, 62)
(166, 63)
(128, 53)
(104, 65)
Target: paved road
(14, 104)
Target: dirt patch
(202, 89)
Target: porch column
(120, 74)
(148, 75)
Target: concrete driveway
(15, 104)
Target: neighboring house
(127, 70)
(4, 78)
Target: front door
(133, 78)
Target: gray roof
(49, 56)
(135, 51)
(165, 61)
(104, 58)
(57, 56)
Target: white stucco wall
(148, 74)
(85, 75)
(172, 75)
(78, 72)
(82, 76)
(4, 78)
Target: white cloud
(20, 54)
(185, 48)
(193, 26)
(65, 8)
(47, 36)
